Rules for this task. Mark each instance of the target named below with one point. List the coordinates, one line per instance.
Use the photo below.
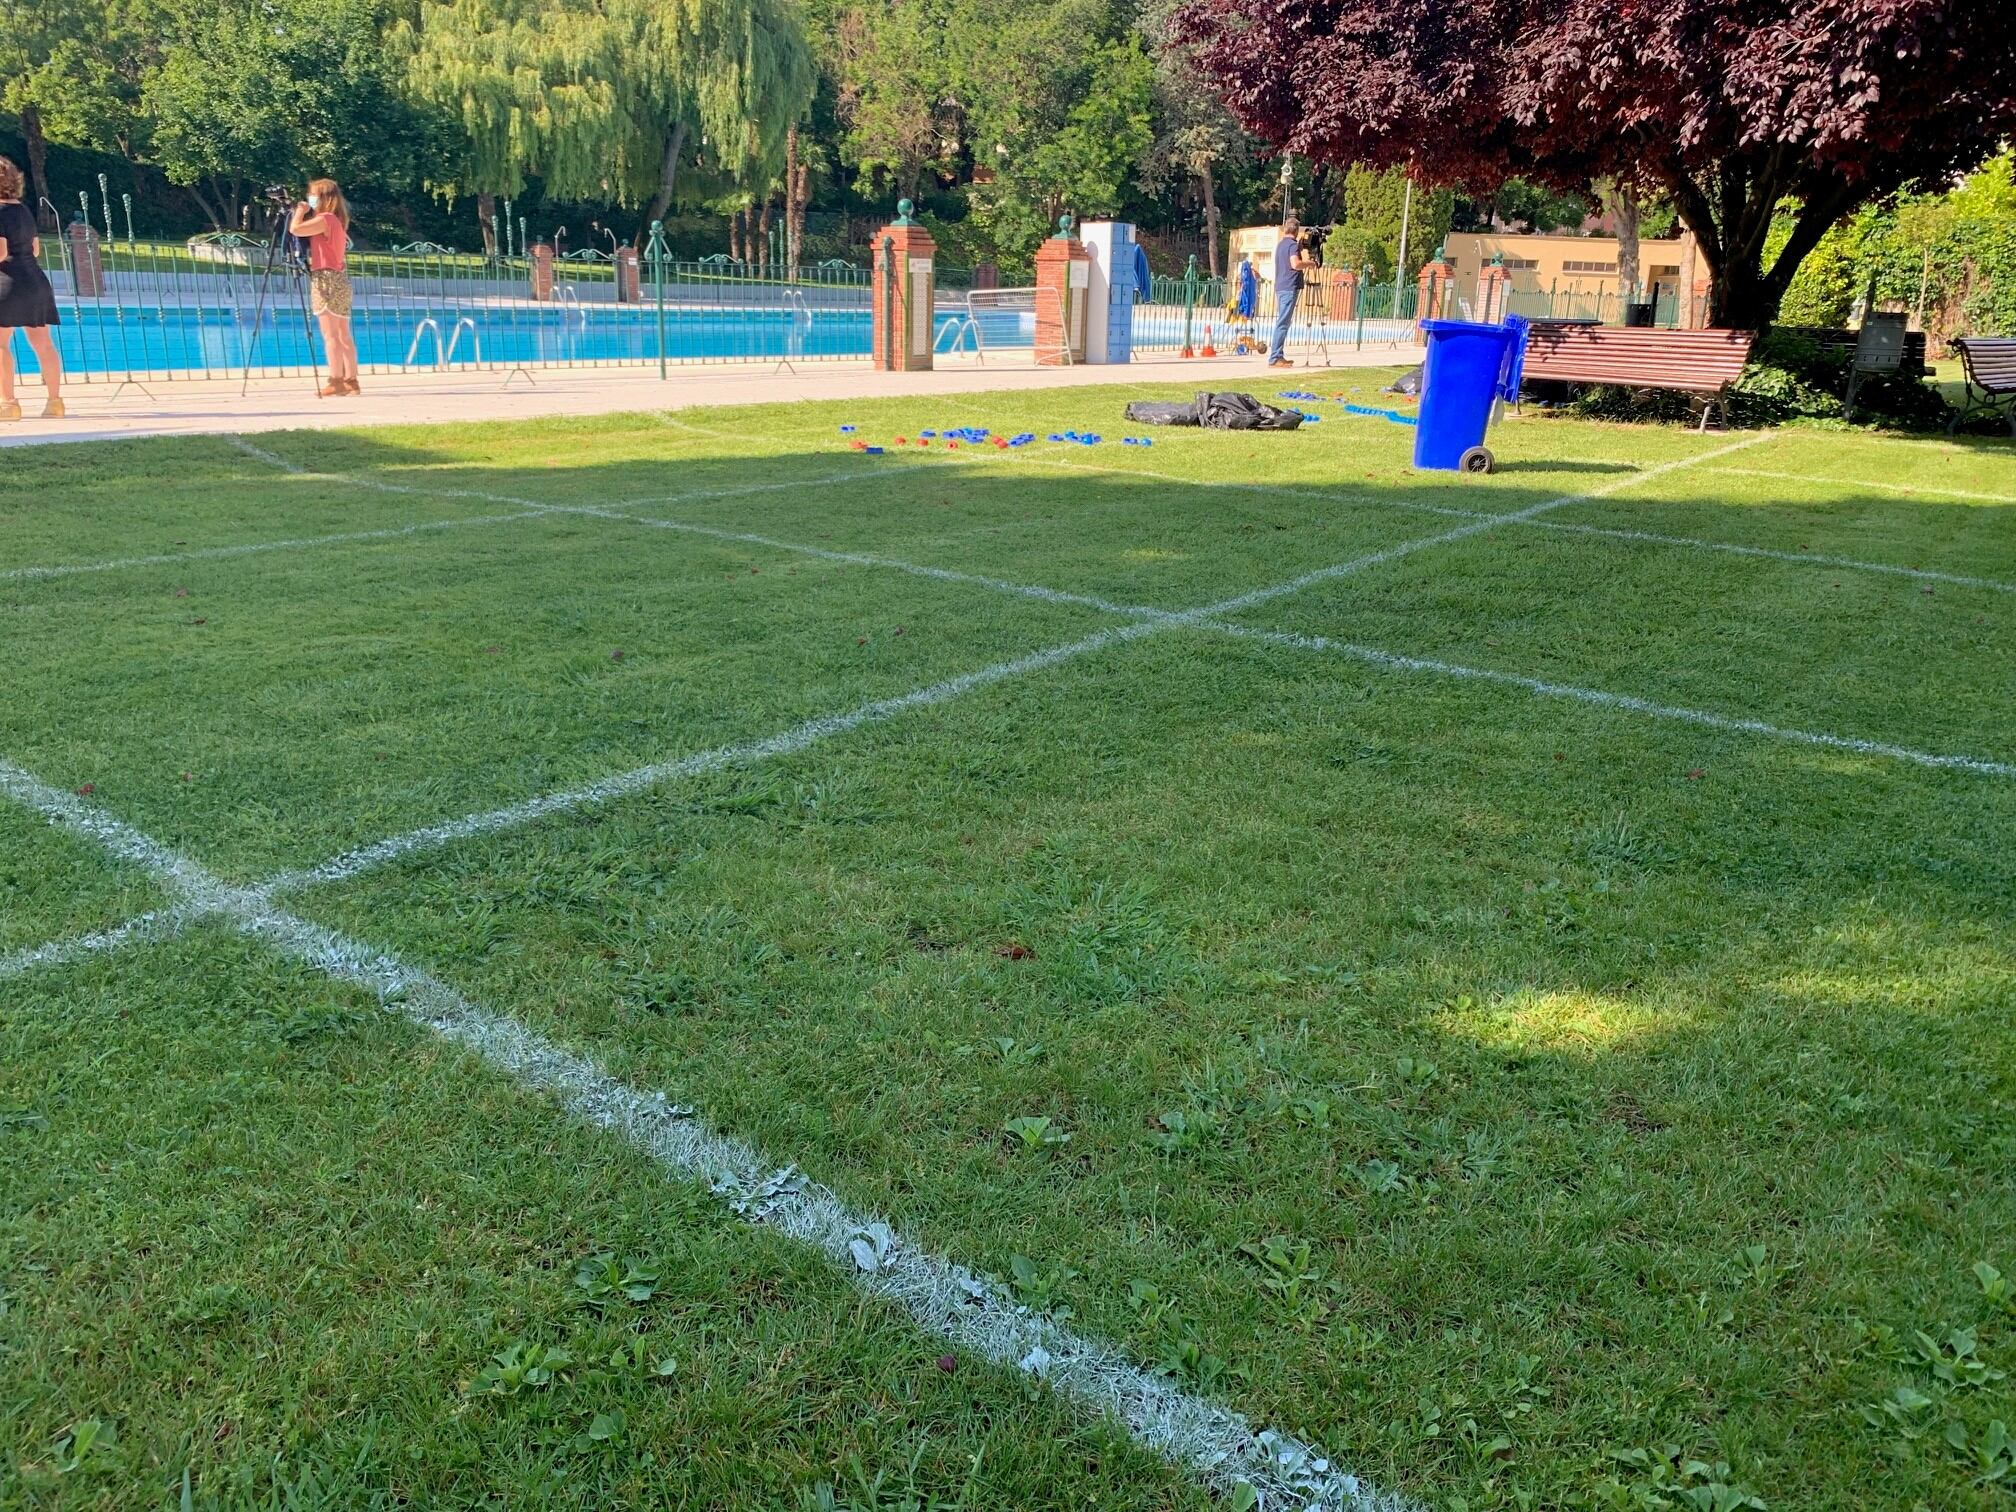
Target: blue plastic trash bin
(1468, 369)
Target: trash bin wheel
(1476, 460)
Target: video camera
(1310, 241)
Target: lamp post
(1400, 262)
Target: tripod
(279, 208)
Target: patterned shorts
(329, 291)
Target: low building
(1577, 275)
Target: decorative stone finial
(904, 210)
(1064, 225)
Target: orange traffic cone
(1209, 350)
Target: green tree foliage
(1368, 233)
(246, 92)
(1080, 163)
(1195, 137)
(71, 72)
(1949, 258)
(604, 99)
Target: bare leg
(349, 339)
(6, 365)
(334, 329)
(50, 359)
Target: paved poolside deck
(102, 411)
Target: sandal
(333, 389)
(54, 410)
(350, 388)
(10, 409)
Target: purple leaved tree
(1733, 108)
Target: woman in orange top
(323, 222)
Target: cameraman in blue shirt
(1289, 261)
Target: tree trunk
(763, 232)
(1210, 216)
(1622, 203)
(791, 196)
(38, 159)
(668, 175)
(217, 222)
(486, 221)
(1731, 228)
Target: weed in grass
(872, 1246)
(521, 1366)
(1996, 1287)
(1034, 1132)
(1991, 1458)
(603, 1281)
(88, 1447)
(1188, 1362)
(1040, 1287)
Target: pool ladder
(443, 356)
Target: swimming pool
(216, 340)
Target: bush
(1790, 378)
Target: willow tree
(605, 99)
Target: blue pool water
(223, 338)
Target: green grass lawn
(1530, 1012)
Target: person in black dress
(27, 302)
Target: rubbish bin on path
(1469, 368)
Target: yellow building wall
(1579, 264)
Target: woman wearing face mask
(323, 222)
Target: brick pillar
(87, 269)
(1347, 294)
(1063, 282)
(542, 270)
(904, 293)
(1494, 284)
(1433, 302)
(629, 286)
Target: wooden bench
(1702, 363)
(1990, 365)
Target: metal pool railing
(135, 311)
(1196, 315)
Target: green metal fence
(225, 306)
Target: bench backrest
(1842, 340)
(1990, 362)
(1697, 362)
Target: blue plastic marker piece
(848, 430)
(1146, 442)
(927, 433)
(872, 451)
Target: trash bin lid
(1454, 326)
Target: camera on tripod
(279, 194)
(1309, 241)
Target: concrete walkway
(100, 412)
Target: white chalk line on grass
(530, 509)
(1215, 1444)
(1567, 527)
(159, 924)
(1146, 619)
(1929, 490)
(1395, 661)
